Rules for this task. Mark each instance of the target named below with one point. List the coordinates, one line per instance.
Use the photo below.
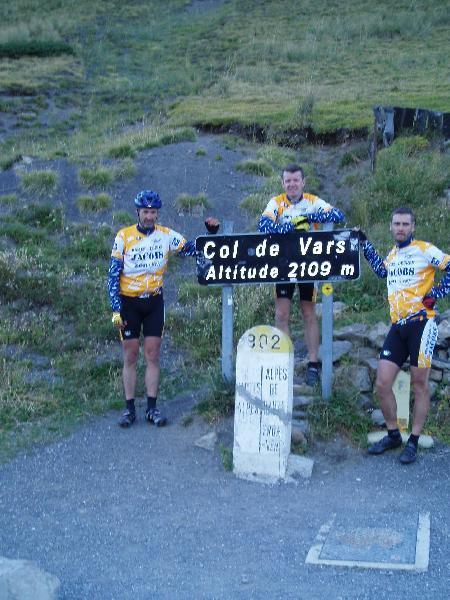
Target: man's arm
(373, 258)
(212, 226)
(267, 225)
(115, 268)
(333, 215)
(442, 289)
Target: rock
(377, 417)
(440, 364)
(302, 426)
(301, 390)
(372, 363)
(360, 378)
(357, 331)
(299, 414)
(208, 441)
(338, 308)
(23, 580)
(299, 466)
(340, 349)
(377, 334)
(297, 436)
(435, 375)
(302, 401)
(432, 386)
(365, 402)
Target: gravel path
(143, 513)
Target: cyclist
(409, 268)
(298, 210)
(139, 260)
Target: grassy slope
(138, 70)
(279, 64)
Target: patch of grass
(94, 204)
(9, 199)
(404, 176)
(227, 457)
(6, 162)
(218, 157)
(122, 218)
(99, 177)
(219, 402)
(200, 152)
(438, 422)
(126, 170)
(122, 151)
(183, 134)
(39, 182)
(188, 203)
(339, 416)
(21, 234)
(45, 216)
(255, 167)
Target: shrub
(126, 170)
(188, 203)
(122, 151)
(44, 216)
(185, 134)
(94, 204)
(100, 176)
(123, 217)
(6, 162)
(39, 182)
(9, 199)
(255, 167)
(19, 48)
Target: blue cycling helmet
(147, 199)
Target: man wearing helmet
(139, 260)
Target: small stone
(208, 441)
(297, 436)
(377, 417)
(340, 349)
(301, 401)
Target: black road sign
(277, 258)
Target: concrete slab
(393, 542)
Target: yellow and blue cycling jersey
(279, 212)
(139, 260)
(410, 269)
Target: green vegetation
(340, 415)
(255, 167)
(39, 182)
(9, 199)
(271, 67)
(189, 203)
(277, 71)
(94, 204)
(99, 177)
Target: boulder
(22, 579)
(340, 349)
(377, 334)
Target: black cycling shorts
(307, 291)
(146, 314)
(415, 339)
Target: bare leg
(282, 314)
(152, 348)
(419, 380)
(312, 336)
(386, 374)
(130, 356)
